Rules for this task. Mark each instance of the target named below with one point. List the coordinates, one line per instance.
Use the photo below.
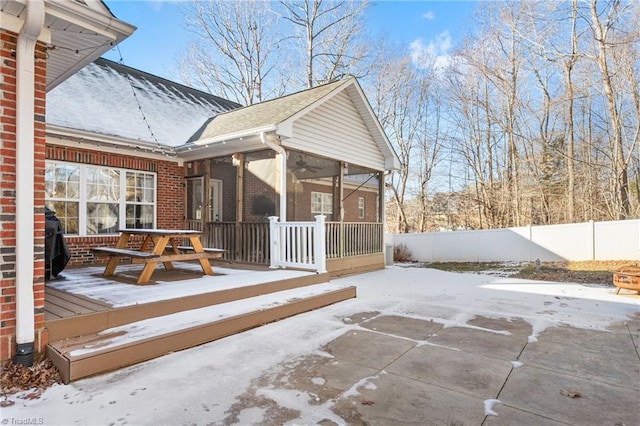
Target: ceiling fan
(302, 167)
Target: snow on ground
(197, 386)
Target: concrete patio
(398, 370)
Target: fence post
(319, 249)
(274, 243)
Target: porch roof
(279, 115)
(265, 115)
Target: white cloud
(434, 54)
(429, 15)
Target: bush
(401, 253)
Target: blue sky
(155, 47)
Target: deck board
(61, 304)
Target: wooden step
(108, 317)
(143, 340)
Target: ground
(587, 272)
(417, 346)
(43, 374)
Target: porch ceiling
(77, 33)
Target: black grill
(56, 252)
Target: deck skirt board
(97, 353)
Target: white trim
(93, 20)
(78, 138)
(392, 162)
(14, 24)
(289, 121)
(232, 136)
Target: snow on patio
(199, 385)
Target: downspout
(283, 174)
(25, 166)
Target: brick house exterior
(8, 193)
(171, 143)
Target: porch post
(319, 242)
(281, 155)
(274, 242)
(340, 197)
(238, 161)
(381, 189)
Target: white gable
(335, 129)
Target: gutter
(81, 136)
(283, 174)
(235, 135)
(25, 166)
(77, 13)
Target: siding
(336, 130)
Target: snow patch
(363, 383)
(320, 381)
(310, 414)
(251, 416)
(488, 407)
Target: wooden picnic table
(159, 245)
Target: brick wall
(299, 202)
(8, 194)
(170, 193)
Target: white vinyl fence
(615, 240)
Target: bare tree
(235, 54)
(328, 30)
(602, 29)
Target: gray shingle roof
(263, 114)
(115, 100)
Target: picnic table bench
(159, 245)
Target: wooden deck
(84, 309)
(60, 304)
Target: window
(360, 207)
(322, 203)
(62, 193)
(90, 200)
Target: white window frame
(121, 201)
(361, 207)
(326, 203)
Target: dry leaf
(569, 393)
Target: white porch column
(282, 157)
(274, 242)
(319, 242)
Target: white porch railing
(298, 244)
